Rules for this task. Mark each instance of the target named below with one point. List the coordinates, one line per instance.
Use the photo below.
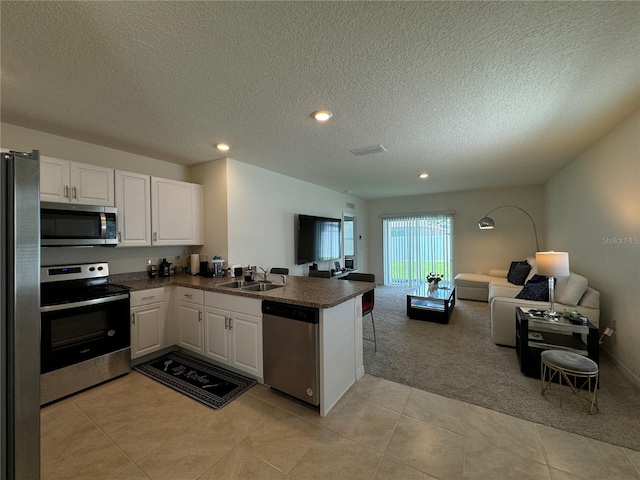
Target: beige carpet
(458, 360)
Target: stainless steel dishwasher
(290, 349)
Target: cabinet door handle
(230, 323)
(148, 298)
(66, 191)
(75, 193)
(199, 316)
(119, 237)
(155, 236)
(188, 295)
(133, 318)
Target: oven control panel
(61, 273)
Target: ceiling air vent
(352, 206)
(368, 150)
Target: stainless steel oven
(84, 329)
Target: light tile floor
(135, 428)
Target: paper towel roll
(195, 264)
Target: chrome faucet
(284, 279)
(265, 275)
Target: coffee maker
(217, 267)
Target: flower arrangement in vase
(433, 279)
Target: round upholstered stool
(558, 364)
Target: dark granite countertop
(304, 291)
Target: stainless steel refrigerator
(20, 316)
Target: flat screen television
(318, 239)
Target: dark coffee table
(434, 306)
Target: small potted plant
(433, 279)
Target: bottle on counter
(152, 271)
(163, 269)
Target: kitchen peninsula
(340, 327)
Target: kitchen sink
(262, 287)
(236, 284)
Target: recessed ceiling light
(322, 115)
(222, 146)
(423, 175)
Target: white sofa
(571, 293)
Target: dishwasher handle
(293, 312)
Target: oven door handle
(103, 225)
(84, 303)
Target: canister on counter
(195, 264)
(152, 271)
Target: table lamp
(552, 264)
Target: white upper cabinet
(176, 212)
(54, 180)
(133, 201)
(64, 181)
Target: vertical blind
(415, 245)
(328, 240)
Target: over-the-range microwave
(74, 225)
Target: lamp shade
(552, 264)
(486, 223)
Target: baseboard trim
(625, 371)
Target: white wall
(121, 259)
(25, 140)
(213, 176)
(261, 208)
(475, 250)
(593, 209)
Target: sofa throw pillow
(569, 290)
(534, 270)
(538, 291)
(539, 278)
(518, 272)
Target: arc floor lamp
(487, 223)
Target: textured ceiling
(477, 94)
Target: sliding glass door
(415, 245)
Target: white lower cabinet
(147, 321)
(216, 325)
(189, 310)
(233, 331)
(246, 343)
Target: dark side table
(537, 334)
